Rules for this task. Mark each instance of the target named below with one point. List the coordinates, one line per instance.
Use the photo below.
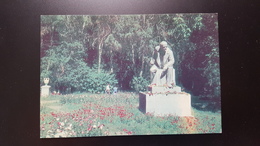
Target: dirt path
(48, 103)
(57, 108)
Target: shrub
(96, 82)
(68, 72)
(139, 84)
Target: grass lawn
(82, 115)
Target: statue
(162, 72)
(163, 97)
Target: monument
(45, 89)
(163, 97)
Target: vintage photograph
(123, 75)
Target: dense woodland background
(84, 53)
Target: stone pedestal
(162, 101)
(45, 90)
(157, 89)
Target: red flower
(53, 114)
(125, 130)
(213, 124)
(90, 128)
(175, 121)
(129, 132)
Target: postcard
(125, 75)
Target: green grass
(80, 115)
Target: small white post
(45, 90)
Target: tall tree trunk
(143, 47)
(133, 58)
(103, 35)
(111, 61)
(99, 56)
(142, 65)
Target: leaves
(122, 45)
(139, 84)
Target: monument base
(178, 104)
(158, 89)
(45, 90)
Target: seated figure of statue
(162, 72)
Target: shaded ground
(206, 104)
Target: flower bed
(86, 115)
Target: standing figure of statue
(162, 72)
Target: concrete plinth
(157, 89)
(178, 104)
(45, 90)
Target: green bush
(139, 84)
(96, 82)
(68, 72)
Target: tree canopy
(79, 50)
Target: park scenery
(96, 75)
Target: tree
(201, 62)
(123, 44)
(101, 29)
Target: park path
(48, 103)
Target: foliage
(139, 84)
(200, 65)
(95, 82)
(123, 44)
(65, 66)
